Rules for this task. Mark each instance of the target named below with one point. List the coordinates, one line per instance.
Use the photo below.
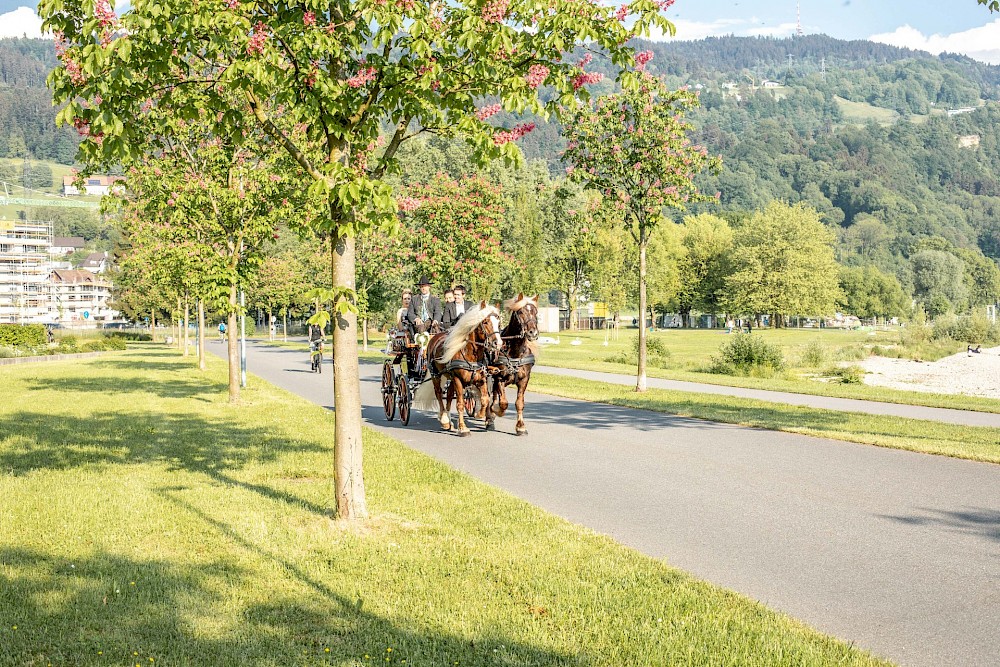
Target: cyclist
(316, 348)
(222, 331)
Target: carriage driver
(425, 308)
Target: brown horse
(460, 356)
(513, 366)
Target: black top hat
(424, 280)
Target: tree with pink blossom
(632, 147)
(340, 73)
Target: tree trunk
(270, 325)
(177, 324)
(232, 334)
(152, 325)
(187, 314)
(364, 334)
(284, 327)
(640, 382)
(201, 334)
(574, 317)
(349, 481)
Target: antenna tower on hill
(798, 19)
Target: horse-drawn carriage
(405, 370)
(463, 363)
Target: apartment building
(79, 297)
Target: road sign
(86, 314)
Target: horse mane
(457, 337)
(515, 304)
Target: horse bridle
(526, 334)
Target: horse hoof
(491, 426)
(445, 427)
(521, 432)
(464, 434)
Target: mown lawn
(144, 521)
(928, 437)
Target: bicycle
(316, 356)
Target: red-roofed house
(93, 185)
(79, 297)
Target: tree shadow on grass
(214, 448)
(199, 389)
(104, 608)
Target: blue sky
(961, 26)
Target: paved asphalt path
(895, 551)
(964, 417)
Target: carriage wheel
(404, 400)
(388, 389)
(470, 401)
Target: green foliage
(747, 354)
(814, 354)
(938, 281)
(455, 234)
(127, 335)
(657, 354)
(972, 329)
(23, 336)
(782, 263)
(847, 374)
(867, 293)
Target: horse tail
(424, 397)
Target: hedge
(23, 336)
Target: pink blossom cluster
(642, 58)
(232, 4)
(257, 39)
(586, 78)
(364, 76)
(408, 204)
(622, 13)
(309, 18)
(664, 5)
(72, 67)
(536, 75)
(406, 5)
(485, 112)
(586, 60)
(104, 13)
(507, 136)
(495, 10)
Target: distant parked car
(117, 325)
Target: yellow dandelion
(14, 627)
(100, 653)
(389, 650)
(327, 649)
(135, 653)
(131, 583)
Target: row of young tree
(232, 115)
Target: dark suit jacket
(434, 310)
(450, 316)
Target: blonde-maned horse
(460, 355)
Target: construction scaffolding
(25, 265)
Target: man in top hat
(425, 308)
(454, 310)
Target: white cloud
(22, 21)
(981, 43)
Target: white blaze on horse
(460, 356)
(513, 365)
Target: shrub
(814, 354)
(849, 374)
(746, 354)
(974, 329)
(23, 336)
(68, 342)
(657, 354)
(127, 335)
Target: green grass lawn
(144, 521)
(928, 437)
(860, 113)
(692, 349)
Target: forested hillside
(858, 130)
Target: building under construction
(25, 265)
